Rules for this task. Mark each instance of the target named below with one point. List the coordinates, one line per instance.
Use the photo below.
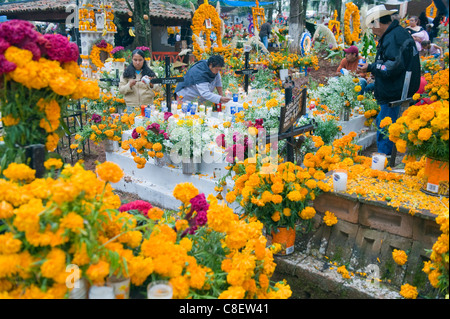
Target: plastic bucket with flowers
(285, 236)
(436, 178)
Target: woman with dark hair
(418, 33)
(135, 82)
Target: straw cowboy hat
(177, 64)
(377, 12)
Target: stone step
(311, 278)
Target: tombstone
(295, 107)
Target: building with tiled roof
(161, 13)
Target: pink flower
(140, 205)
(5, 65)
(60, 49)
(220, 140)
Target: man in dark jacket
(264, 33)
(396, 54)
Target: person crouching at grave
(135, 82)
(201, 80)
(350, 64)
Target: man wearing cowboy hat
(396, 54)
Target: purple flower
(199, 203)
(134, 134)
(167, 115)
(220, 140)
(259, 123)
(201, 218)
(117, 49)
(166, 136)
(154, 127)
(3, 45)
(5, 65)
(18, 32)
(102, 44)
(96, 118)
(60, 49)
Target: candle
(378, 160)
(159, 290)
(339, 180)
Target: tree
(297, 20)
(142, 24)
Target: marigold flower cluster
(429, 64)
(107, 125)
(423, 130)
(276, 195)
(437, 85)
(54, 222)
(342, 153)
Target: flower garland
(351, 13)
(95, 53)
(204, 12)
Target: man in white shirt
(201, 80)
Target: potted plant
(279, 196)
(423, 130)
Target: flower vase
(120, 285)
(80, 290)
(436, 178)
(160, 162)
(111, 146)
(286, 238)
(344, 114)
(188, 166)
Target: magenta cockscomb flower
(139, 205)
(59, 48)
(5, 65)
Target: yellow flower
(55, 163)
(185, 192)
(408, 291)
(19, 172)
(385, 122)
(72, 221)
(307, 213)
(330, 219)
(276, 216)
(399, 257)
(109, 172)
(424, 134)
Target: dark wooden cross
(168, 82)
(295, 107)
(246, 71)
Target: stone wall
(363, 239)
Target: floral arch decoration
(259, 16)
(352, 23)
(431, 10)
(207, 20)
(335, 26)
(97, 48)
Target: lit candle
(378, 161)
(339, 180)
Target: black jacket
(396, 53)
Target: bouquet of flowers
(119, 54)
(437, 85)
(149, 142)
(190, 137)
(279, 199)
(107, 126)
(430, 64)
(40, 75)
(146, 51)
(422, 130)
(67, 220)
